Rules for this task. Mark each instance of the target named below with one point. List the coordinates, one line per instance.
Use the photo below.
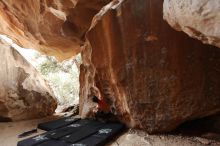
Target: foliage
(49, 66)
(63, 77)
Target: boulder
(199, 19)
(153, 77)
(24, 94)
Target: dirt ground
(10, 131)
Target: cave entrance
(62, 77)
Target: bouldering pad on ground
(55, 143)
(72, 128)
(33, 141)
(52, 125)
(84, 132)
(103, 135)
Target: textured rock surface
(141, 138)
(154, 76)
(199, 19)
(23, 93)
(54, 27)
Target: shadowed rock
(152, 76)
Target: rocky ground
(10, 131)
(140, 138)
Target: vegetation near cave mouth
(62, 77)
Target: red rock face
(154, 77)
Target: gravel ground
(141, 138)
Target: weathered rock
(141, 138)
(54, 27)
(24, 94)
(153, 76)
(199, 19)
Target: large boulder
(154, 77)
(200, 19)
(24, 94)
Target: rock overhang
(154, 77)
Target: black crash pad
(55, 143)
(87, 130)
(103, 136)
(52, 125)
(82, 132)
(72, 128)
(100, 138)
(34, 140)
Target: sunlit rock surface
(23, 92)
(154, 77)
(200, 19)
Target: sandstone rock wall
(54, 27)
(153, 76)
(199, 19)
(23, 92)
